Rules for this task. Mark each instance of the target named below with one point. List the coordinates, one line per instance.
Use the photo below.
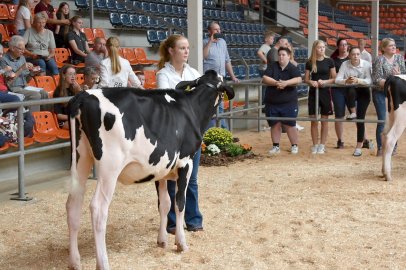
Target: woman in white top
(356, 73)
(173, 68)
(116, 71)
(23, 19)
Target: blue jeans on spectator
(380, 107)
(49, 66)
(223, 122)
(21, 32)
(5, 97)
(193, 217)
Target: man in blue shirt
(281, 98)
(215, 57)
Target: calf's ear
(186, 85)
(229, 91)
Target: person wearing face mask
(281, 99)
(173, 68)
(386, 64)
(355, 73)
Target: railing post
(21, 181)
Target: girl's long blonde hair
(170, 42)
(313, 55)
(113, 47)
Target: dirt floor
(304, 211)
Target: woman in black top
(68, 86)
(61, 30)
(320, 70)
(77, 41)
(340, 94)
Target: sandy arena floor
(302, 211)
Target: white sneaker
(299, 127)
(294, 149)
(321, 149)
(314, 148)
(275, 150)
(352, 116)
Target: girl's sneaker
(321, 149)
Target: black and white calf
(395, 89)
(134, 136)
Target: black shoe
(365, 144)
(340, 145)
(194, 229)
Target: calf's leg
(164, 206)
(180, 202)
(99, 208)
(74, 205)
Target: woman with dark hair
(68, 86)
(340, 55)
(116, 71)
(173, 68)
(61, 30)
(77, 41)
(356, 73)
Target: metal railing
(229, 115)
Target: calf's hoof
(162, 244)
(74, 267)
(182, 247)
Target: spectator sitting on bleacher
(115, 70)
(91, 78)
(5, 96)
(77, 42)
(61, 30)
(68, 86)
(99, 52)
(47, 10)
(40, 48)
(15, 59)
(23, 18)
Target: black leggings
(363, 98)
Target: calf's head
(211, 80)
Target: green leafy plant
(218, 136)
(234, 149)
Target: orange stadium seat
(27, 142)
(56, 79)
(4, 33)
(99, 32)
(150, 79)
(10, 28)
(4, 13)
(42, 137)
(4, 147)
(61, 56)
(89, 35)
(142, 57)
(32, 83)
(80, 78)
(128, 53)
(45, 123)
(46, 82)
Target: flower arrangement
(217, 141)
(218, 136)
